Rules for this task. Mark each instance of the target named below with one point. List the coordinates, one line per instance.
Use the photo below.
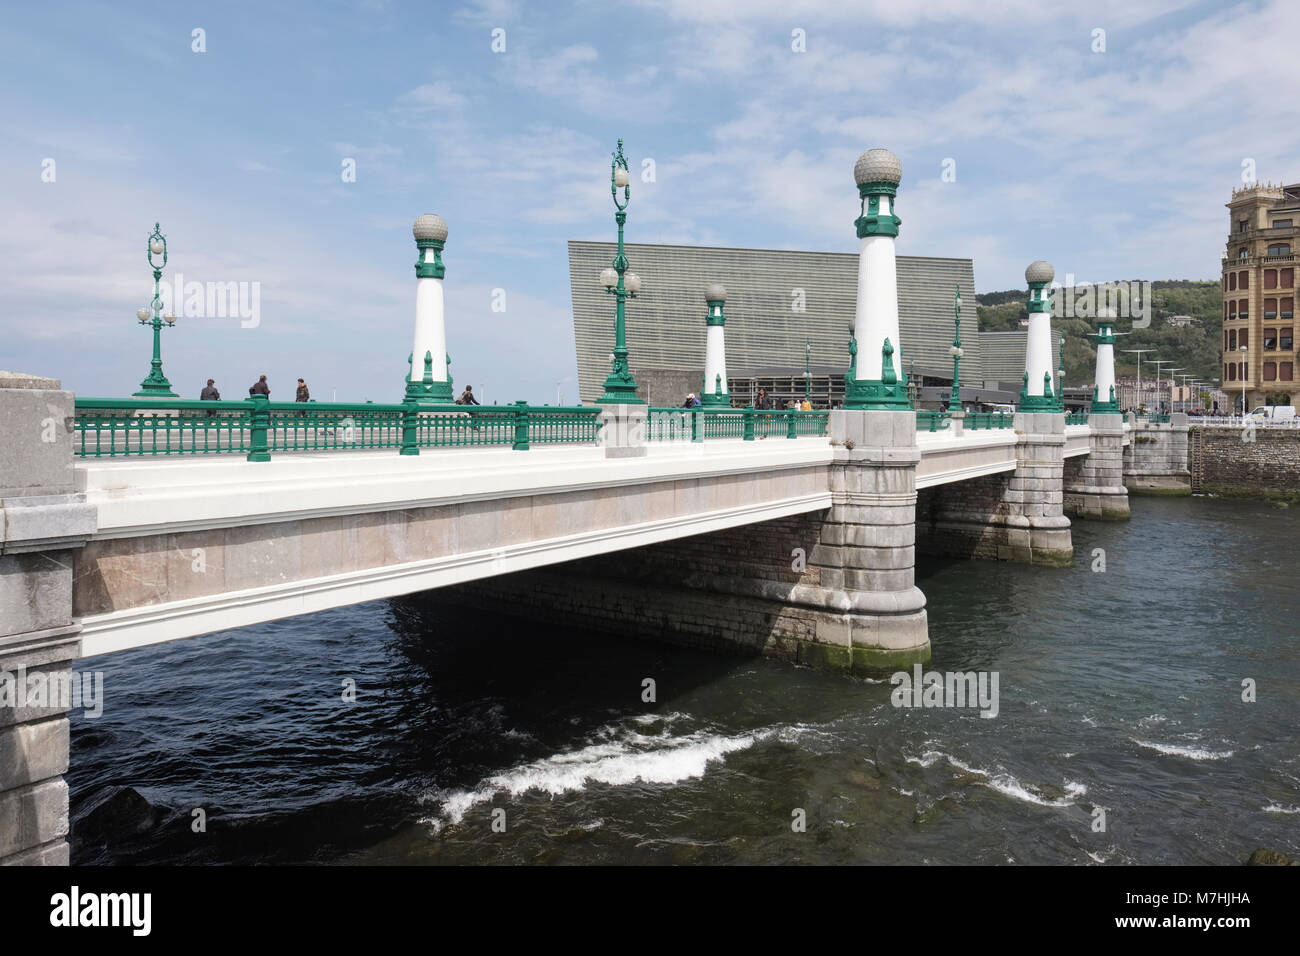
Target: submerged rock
(1265, 857)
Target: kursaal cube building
(786, 312)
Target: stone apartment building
(1259, 291)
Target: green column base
(886, 396)
(1038, 403)
(715, 401)
(428, 392)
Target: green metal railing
(255, 427)
(747, 424)
(1076, 418)
(988, 420)
(1157, 419)
(931, 421)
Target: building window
(1243, 281)
(1230, 372)
(1270, 371)
(1232, 340)
(1281, 223)
(1232, 309)
(1284, 371)
(1280, 249)
(1243, 308)
(1287, 305)
(1232, 282)
(1270, 308)
(1225, 340)
(1284, 340)
(1241, 340)
(1241, 253)
(1270, 278)
(1243, 225)
(1287, 278)
(1270, 340)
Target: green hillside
(1196, 347)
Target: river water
(1121, 734)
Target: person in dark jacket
(691, 401)
(210, 394)
(260, 388)
(763, 402)
(303, 395)
(467, 397)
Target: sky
(1023, 131)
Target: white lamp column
(875, 379)
(1036, 395)
(428, 379)
(714, 391)
(1103, 398)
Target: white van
(1273, 413)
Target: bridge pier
(832, 588)
(1007, 516)
(1094, 483)
(1156, 459)
(871, 613)
(43, 520)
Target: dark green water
(1119, 690)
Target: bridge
(792, 533)
(189, 542)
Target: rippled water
(1119, 690)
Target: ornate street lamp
(620, 387)
(1060, 388)
(807, 371)
(155, 384)
(955, 350)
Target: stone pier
(1009, 516)
(833, 588)
(1094, 483)
(1155, 462)
(42, 522)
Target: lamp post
(155, 384)
(1158, 363)
(955, 350)
(1243, 382)
(1139, 367)
(1060, 388)
(807, 373)
(620, 387)
(1173, 373)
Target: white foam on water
(931, 757)
(1009, 786)
(1088, 721)
(1278, 808)
(1174, 750)
(631, 758)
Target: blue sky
(1111, 164)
